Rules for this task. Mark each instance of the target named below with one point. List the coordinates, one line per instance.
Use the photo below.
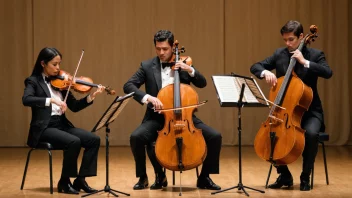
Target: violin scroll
(109, 91)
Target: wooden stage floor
(122, 175)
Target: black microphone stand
(240, 185)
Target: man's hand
(270, 78)
(183, 66)
(155, 102)
(298, 56)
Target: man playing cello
(155, 73)
(311, 64)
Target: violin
(80, 84)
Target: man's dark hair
(163, 35)
(292, 26)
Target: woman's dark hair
(292, 26)
(46, 55)
(163, 35)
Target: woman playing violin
(310, 65)
(156, 74)
(49, 123)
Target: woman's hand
(61, 104)
(98, 91)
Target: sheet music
(124, 102)
(258, 94)
(227, 88)
(113, 111)
(248, 95)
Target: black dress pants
(312, 126)
(70, 139)
(146, 134)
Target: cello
(280, 139)
(180, 145)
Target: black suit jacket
(318, 67)
(149, 73)
(35, 94)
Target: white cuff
(145, 98)
(262, 74)
(47, 102)
(192, 73)
(306, 64)
(89, 99)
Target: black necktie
(163, 65)
(47, 79)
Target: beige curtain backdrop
(221, 36)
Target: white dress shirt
(56, 110)
(167, 78)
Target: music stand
(238, 91)
(109, 116)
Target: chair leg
(51, 171)
(267, 180)
(197, 172)
(26, 167)
(173, 177)
(311, 181)
(325, 164)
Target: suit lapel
(157, 72)
(43, 85)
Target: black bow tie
(163, 65)
(47, 79)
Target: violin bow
(74, 76)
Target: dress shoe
(160, 181)
(79, 184)
(305, 185)
(142, 183)
(66, 187)
(207, 183)
(282, 181)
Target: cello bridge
(179, 126)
